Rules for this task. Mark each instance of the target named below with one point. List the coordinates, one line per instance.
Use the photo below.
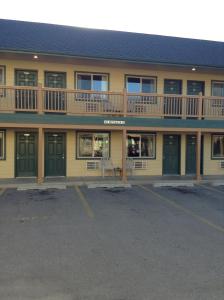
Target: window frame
(141, 77)
(92, 133)
(3, 68)
(216, 81)
(212, 154)
(142, 134)
(92, 74)
(4, 144)
(3, 91)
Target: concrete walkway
(63, 182)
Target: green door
(191, 154)
(55, 100)
(194, 87)
(171, 154)
(26, 99)
(172, 105)
(191, 145)
(55, 154)
(26, 154)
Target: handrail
(76, 101)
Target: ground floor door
(191, 146)
(26, 154)
(171, 154)
(55, 152)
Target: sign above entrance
(114, 122)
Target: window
(2, 81)
(2, 75)
(136, 103)
(218, 146)
(2, 145)
(92, 82)
(140, 84)
(141, 145)
(93, 145)
(218, 88)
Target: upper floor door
(194, 87)
(172, 105)
(26, 99)
(55, 100)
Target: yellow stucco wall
(7, 165)
(117, 82)
(77, 167)
(116, 73)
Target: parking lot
(138, 243)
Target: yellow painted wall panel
(7, 165)
(116, 73)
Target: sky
(190, 18)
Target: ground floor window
(93, 144)
(218, 146)
(141, 145)
(2, 145)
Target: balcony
(81, 102)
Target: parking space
(116, 244)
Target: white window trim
(3, 144)
(216, 82)
(90, 133)
(212, 148)
(91, 75)
(141, 78)
(140, 145)
(3, 75)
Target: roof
(20, 36)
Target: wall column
(124, 150)
(40, 172)
(198, 156)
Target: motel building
(72, 98)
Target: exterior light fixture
(193, 69)
(35, 56)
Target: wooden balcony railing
(82, 102)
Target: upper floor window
(218, 146)
(140, 84)
(218, 88)
(2, 144)
(92, 82)
(2, 75)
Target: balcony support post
(198, 156)
(124, 172)
(40, 99)
(200, 104)
(40, 170)
(125, 102)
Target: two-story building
(71, 96)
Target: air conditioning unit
(222, 164)
(140, 164)
(92, 165)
